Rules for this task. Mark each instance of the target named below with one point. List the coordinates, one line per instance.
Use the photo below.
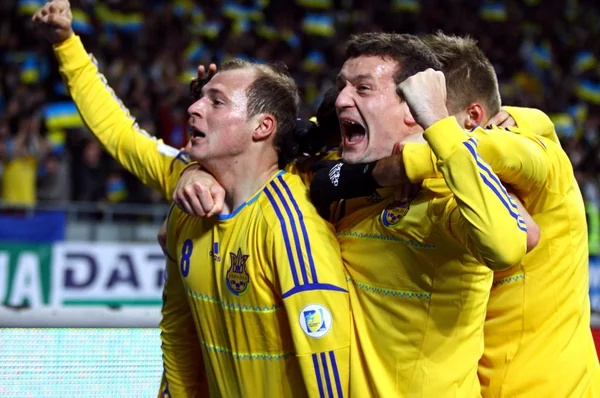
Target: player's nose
(344, 99)
(197, 108)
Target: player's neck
(242, 177)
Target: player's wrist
(193, 166)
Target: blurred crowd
(545, 52)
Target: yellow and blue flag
(494, 11)
(30, 70)
(129, 22)
(195, 51)
(233, 10)
(62, 115)
(266, 31)
(542, 56)
(588, 90)
(318, 25)
(211, 29)
(29, 7)
(56, 140)
(81, 22)
(116, 190)
(584, 61)
(291, 38)
(579, 112)
(314, 61)
(563, 124)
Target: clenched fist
(425, 94)
(54, 19)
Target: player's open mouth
(354, 132)
(195, 133)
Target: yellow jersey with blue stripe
(419, 274)
(256, 300)
(150, 160)
(538, 340)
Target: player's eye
(363, 87)
(217, 102)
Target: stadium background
(78, 233)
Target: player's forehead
(367, 67)
(230, 82)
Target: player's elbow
(509, 253)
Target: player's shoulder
(285, 202)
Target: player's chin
(195, 151)
(353, 155)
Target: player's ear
(474, 115)
(266, 125)
(409, 120)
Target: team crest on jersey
(238, 280)
(315, 320)
(394, 212)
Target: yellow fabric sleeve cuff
(71, 54)
(444, 136)
(188, 167)
(419, 162)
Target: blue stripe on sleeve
(326, 371)
(336, 374)
(294, 231)
(503, 199)
(313, 270)
(285, 236)
(313, 286)
(483, 165)
(318, 374)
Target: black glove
(335, 180)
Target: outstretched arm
(154, 163)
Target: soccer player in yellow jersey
(419, 271)
(538, 341)
(269, 304)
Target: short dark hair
(409, 52)
(470, 76)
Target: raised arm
(154, 163)
(481, 215)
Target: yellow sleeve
(154, 163)
(314, 291)
(481, 215)
(420, 162)
(524, 161)
(534, 121)
(184, 374)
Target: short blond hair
(470, 76)
(273, 91)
